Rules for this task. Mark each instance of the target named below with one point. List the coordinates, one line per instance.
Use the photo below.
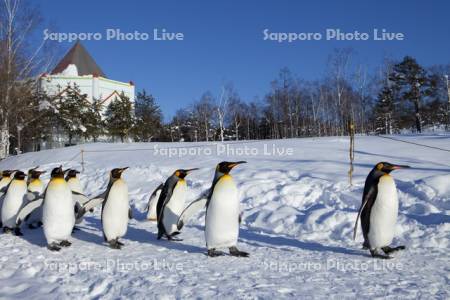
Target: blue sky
(223, 41)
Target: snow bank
(298, 216)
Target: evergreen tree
(384, 111)
(68, 111)
(148, 117)
(119, 117)
(413, 84)
(92, 120)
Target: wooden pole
(351, 151)
(82, 160)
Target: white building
(78, 68)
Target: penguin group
(60, 205)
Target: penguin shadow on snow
(430, 219)
(145, 236)
(133, 234)
(34, 236)
(82, 234)
(148, 237)
(249, 235)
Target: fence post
(82, 160)
(351, 152)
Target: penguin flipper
(190, 210)
(80, 198)
(88, 206)
(371, 194)
(31, 196)
(28, 209)
(154, 196)
(3, 190)
(153, 203)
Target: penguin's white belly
(174, 208)
(383, 216)
(12, 202)
(58, 212)
(115, 211)
(75, 185)
(222, 216)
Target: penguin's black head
(181, 173)
(387, 168)
(19, 175)
(117, 172)
(226, 166)
(57, 173)
(71, 173)
(7, 173)
(34, 174)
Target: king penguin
(5, 179)
(116, 210)
(379, 210)
(58, 211)
(171, 204)
(36, 187)
(34, 182)
(222, 212)
(73, 181)
(14, 199)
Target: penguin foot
(53, 247)
(375, 254)
(214, 253)
(7, 230)
(65, 243)
(17, 232)
(173, 239)
(114, 244)
(388, 249)
(235, 252)
(120, 243)
(365, 245)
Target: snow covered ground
(298, 219)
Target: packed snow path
(297, 225)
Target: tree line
(398, 96)
(70, 116)
(403, 96)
